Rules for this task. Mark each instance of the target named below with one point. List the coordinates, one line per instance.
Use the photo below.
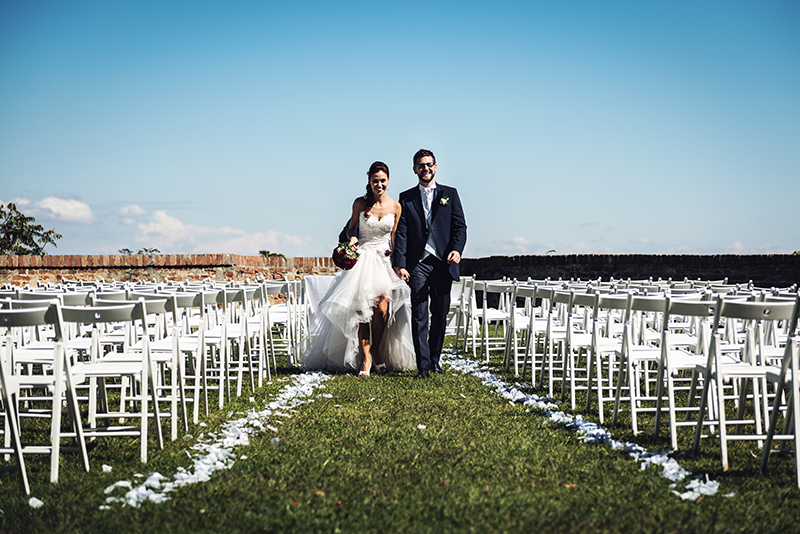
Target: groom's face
(425, 169)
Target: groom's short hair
(421, 153)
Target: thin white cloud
(20, 203)
(582, 248)
(739, 248)
(517, 245)
(169, 234)
(61, 209)
(131, 210)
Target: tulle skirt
(349, 302)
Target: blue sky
(579, 126)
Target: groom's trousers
(429, 280)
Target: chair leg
(55, 427)
(623, 364)
(13, 431)
(144, 423)
(75, 418)
(673, 416)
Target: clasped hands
(453, 258)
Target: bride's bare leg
(380, 316)
(364, 345)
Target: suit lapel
(437, 197)
(417, 202)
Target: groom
(428, 244)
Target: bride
(366, 314)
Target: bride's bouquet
(345, 256)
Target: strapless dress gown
(350, 300)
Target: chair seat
(773, 374)
(683, 359)
(581, 339)
(609, 345)
(107, 368)
(731, 366)
(495, 315)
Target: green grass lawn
(359, 462)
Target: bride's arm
(398, 211)
(352, 228)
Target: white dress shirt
(428, 193)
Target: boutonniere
(444, 201)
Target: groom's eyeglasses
(425, 164)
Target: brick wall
(22, 270)
(778, 270)
(768, 270)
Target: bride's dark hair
(375, 168)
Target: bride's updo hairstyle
(374, 169)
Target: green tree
(268, 254)
(144, 250)
(19, 235)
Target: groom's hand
(453, 257)
(402, 273)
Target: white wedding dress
(350, 300)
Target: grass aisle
(359, 461)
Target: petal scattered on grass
(217, 451)
(588, 431)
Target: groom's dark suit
(431, 276)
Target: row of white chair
(682, 352)
(160, 348)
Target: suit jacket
(447, 224)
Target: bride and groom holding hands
(374, 317)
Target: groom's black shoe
(422, 374)
(437, 369)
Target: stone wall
(769, 270)
(31, 270)
(778, 270)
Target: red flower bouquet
(345, 256)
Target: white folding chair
(749, 369)
(681, 352)
(637, 353)
(499, 317)
(54, 374)
(789, 375)
(137, 373)
(577, 342)
(606, 342)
